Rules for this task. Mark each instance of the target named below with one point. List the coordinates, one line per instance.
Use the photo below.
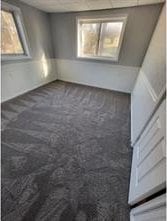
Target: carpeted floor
(66, 155)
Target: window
(100, 38)
(13, 38)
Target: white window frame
(21, 32)
(111, 18)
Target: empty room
(83, 110)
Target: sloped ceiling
(85, 5)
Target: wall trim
(156, 100)
(151, 89)
(152, 205)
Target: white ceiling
(84, 5)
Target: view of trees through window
(10, 41)
(100, 38)
(89, 38)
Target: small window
(13, 39)
(100, 38)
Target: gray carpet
(66, 155)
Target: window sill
(15, 57)
(105, 59)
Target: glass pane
(110, 38)
(89, 39)
(10, 42)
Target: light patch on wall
(45, 66)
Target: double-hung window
(100, 38)
(14, 43)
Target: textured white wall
(18, 78)
(113, 77)
(151, 81)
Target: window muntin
(10, 40)
(100, 38)
(14, 41)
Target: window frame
(18, 20)
(110, 18)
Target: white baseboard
(113, 77)
(18, 78)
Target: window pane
(10, 42)
(89, 39)
(109, 39)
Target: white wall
(18, 78)
(114, 77)
(119, 76)
(135, 41)
(22, 76)
(150, 84)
